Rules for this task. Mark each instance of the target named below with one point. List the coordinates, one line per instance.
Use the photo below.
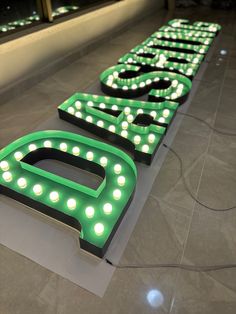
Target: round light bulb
(22, 183)
(71, 203)
(76, 151)
(121, 180)
(7, 176)
(103, 161)
(161, 120)
(90, 156)
(124, 133)
(130, 118)
(145, 148)
(4, 165)
(166, 113)
(102, 105)
(127, 110)
(100, 123)
(78, 104)
(38, 190)
(175, 83)
(151, 138)
(114, 107)
(18, 156)
(124, 125)
(54, 196)
(47, 144)
(99, 229)
(89, 119)
(153, 114)
(78, 114)
(89, 212)
(90, 103)
(137, 139)
(139, 111)
(71, 110)
(107, 208)
(32, 147)
(117, 168)
(116, 194)
(112, 128)
(63, 147)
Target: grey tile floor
(172, 228)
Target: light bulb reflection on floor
(155, 298)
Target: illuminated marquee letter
(192, 33)
(151, 59)
(137, 126)
(178, 46)
(128, 81)
(95, 213)
(198, 26)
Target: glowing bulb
(89, 212)
(145, 148)
(130, 118)
(127, 110)
(7, 176)
(137, 139)
(54, 196)
(117, 194)
(78, 114)
(76, 151)
(174, 83)
(90, 156)
(38, 190)
(103, 161)
(121, 180)
(139, 111)
(151, 138)
(99, 229)
(89, 119)
(47, 144)
(78, 104)
(90, 103)
(166, 113)
(161, 120)
(18, 156)
(124, 133)
(100, 123)
(134, 86)
(114, 107)
(4, 165)
(153, 114)
(107, 208)
(102, 105)
(112, 128)
(174, 96)
(117, 168)
(124, 125)
(71, 203)
(32, 147)
(71, 110)
(63, 147)
(22, 183)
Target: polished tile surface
(172, 228)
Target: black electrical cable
(188, 189)
(186, 267)
(206, 123)
(179, 266)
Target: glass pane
(60, 7)
(16, 14)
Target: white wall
(22, 57)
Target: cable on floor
(188, 189)
(207, 124)
(192, 268)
